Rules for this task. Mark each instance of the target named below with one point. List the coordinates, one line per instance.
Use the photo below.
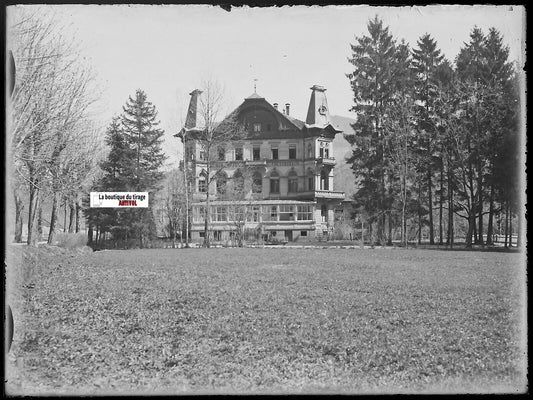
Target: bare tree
(213, 135)
(50, 99)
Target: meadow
(273, 320)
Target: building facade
(275, 180)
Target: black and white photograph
(255, 200)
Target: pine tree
(144, 138)
(426, 61)
(133, 164)
(374, 82)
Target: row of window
(257, 183)
(236, 214)
(274, 152)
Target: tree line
(53, 141)
(433, 140)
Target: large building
(280, 171)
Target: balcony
(256, 163)
(329, 194)
(326, 160)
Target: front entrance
(288, 235)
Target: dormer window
(257, 126)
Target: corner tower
(318, 111)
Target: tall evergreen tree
(427, 59)
(133, 164)
(140, 126)
(374, 82)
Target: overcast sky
(169, 50)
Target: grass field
(266, 321)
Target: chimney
(287, 105)
(275, 105)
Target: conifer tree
(144, 138)
(133, 165)
(374, 82)
(427, 59)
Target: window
(257, 182)
(311, 183)
(221, 184)
(257, 127)
(217, 236)
(202, 184)
(221, 214)
(310, 151)
(274, 185)
(274, 213)
(238, 213)
(286, 212)
(199, 214)
(274, 151)
(274, 182)
(238, 154)
(324, 213)
(256, 152)
(253, 216)
(221, 153)
(321, 151)
(303, 233)
(305, 212)
(324, 180)
(238, 182)
(326, 153)
(255, 213)
(202, 234)
(292, 152)
(293, 185)
(202, 155)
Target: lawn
(190, 321)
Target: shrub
(71, 240)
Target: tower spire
(255, 85)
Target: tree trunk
(510, 226)
(430, 206)
(471, 227)
(506, 224)
(449, 239)
(186, 185)
(40, 221)
(65, 215)
(490, 227)
(419, 213)
(32, 214)
(207, 242)
(480, 206)
(78, 208)
(90, 234)
(71, 217)
(519, 229)
(441, 201)
(19, 208)
(53, 218)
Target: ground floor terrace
(274, 220)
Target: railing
(329, 194)
(326, 160)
